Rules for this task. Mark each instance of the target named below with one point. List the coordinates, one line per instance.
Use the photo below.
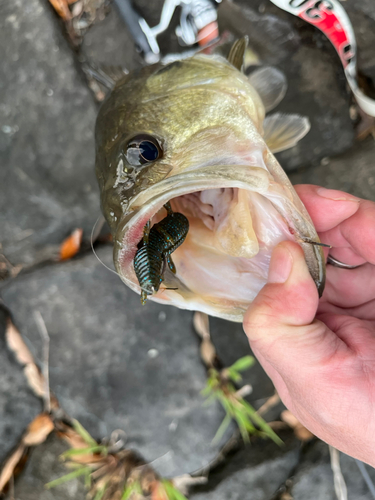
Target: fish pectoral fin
(271, 85)
(237, 53)
(282, 131)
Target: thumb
(280, 322)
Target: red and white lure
(330, 18)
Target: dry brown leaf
(35, 379)
(38, 430)
(36, 433)
(277, 425)
(208, 352)
(9, 466)
(270, 403)
(288, 417)
(201, 325)
(61, 7)
(286, 496)
(207, 349)
(71, 245)
(300, 430)
(17, 345)
(23, 355)
(73, 439)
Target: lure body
(156, 247)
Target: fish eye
(143, 149)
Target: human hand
(320, 354)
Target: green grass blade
(221, 430)
(206, 391)
(132, 488)
(82, 451)
(243, 364)
(127, 493)
(84, 434)
(243, 425)
(100, 493)
(262, 424)
(88, 480)
(234, 375)
(172, 492)
(210, 400)
(227, 405)
(67, 477)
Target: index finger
(327, 207)
(355, 235)
(343, 221)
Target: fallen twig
(45, 337)
(270, 403)
(338, 478)
(300, 430)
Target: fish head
(191, 133)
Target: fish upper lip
(236, 174)
(231, 175)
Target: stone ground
(114, 364)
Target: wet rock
(352, 172)
(18, 405)
(316, 82)
(115, 364)
(255, 472)
(314, 478)
(108, 42)
(46, 136)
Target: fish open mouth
(237, 215)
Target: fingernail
(335, 195)
(280, 265)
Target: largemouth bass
(194, 133)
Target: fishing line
(93, 249)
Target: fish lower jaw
(224, 260)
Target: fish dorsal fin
(271, 85)
(283, 131)
(237, 53)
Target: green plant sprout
(132, 489)
(172, 493)
(79, 471)
(220, 387)
(96, 457)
